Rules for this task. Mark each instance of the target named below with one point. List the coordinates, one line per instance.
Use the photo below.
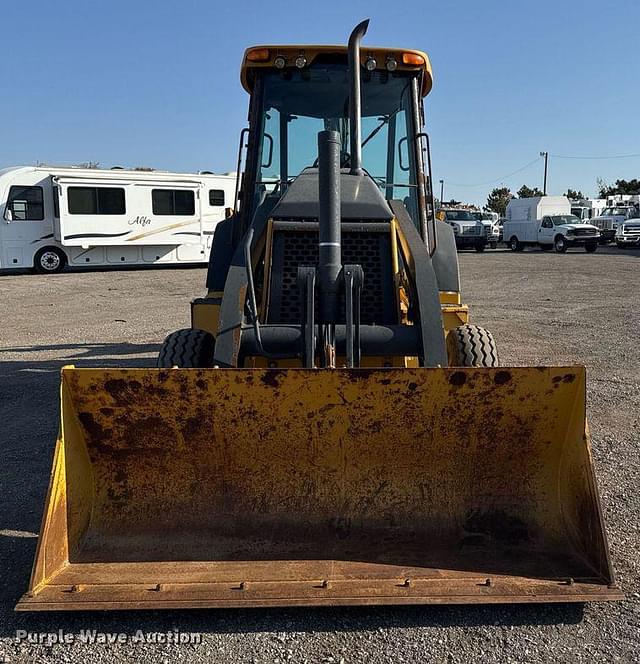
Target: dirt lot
(542, 308)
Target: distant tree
(620, 187)
(527, 192)
(498, 200)
(574, 195)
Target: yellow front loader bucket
(250, 487)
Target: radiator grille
(300, 248)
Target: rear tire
(188, 349)
(49, 260)
(471, 346)
(515, 244)
(560, 244)
(591, 247)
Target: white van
(51, 217)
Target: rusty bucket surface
(250, 487)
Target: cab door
(545, 231)
(24, 224)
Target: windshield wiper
(383, 121)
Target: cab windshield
(617, 212)
(299, 103)
(562, 219)
(460, 215)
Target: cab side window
(25, 204)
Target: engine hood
(360, 198)
(573, 227)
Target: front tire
(560, 244)
(471, 346)
(187, 349)
(591, 247)
(515, 244)
(49, 260)
(621, 245)
(480, 247)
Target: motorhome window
(25, 204)
(216, 197)
(96, 200)
(173, 202)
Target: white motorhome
(51, 217)
(546, 222)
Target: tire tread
(188, 348)
(476, 346)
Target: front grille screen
(300, 248)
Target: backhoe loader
(331, 429)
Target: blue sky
(156, 83)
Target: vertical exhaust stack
(329, 249)
(329, 254)
(354, 97)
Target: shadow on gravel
(306, 620)
(29, 416)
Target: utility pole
(441, 192)
(546, 159)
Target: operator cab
(297, 93)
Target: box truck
(546, 222)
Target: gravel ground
(542, 308)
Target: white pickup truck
(612, 217)
(468, 231)
(490, 222)
(628, 233)
(547, 222)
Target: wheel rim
(50, 261)
(560, 243)
(514, 244)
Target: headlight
(571, 231)
(456, 228)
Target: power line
(500, 179)
(613, 156)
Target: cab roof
(406, 59)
